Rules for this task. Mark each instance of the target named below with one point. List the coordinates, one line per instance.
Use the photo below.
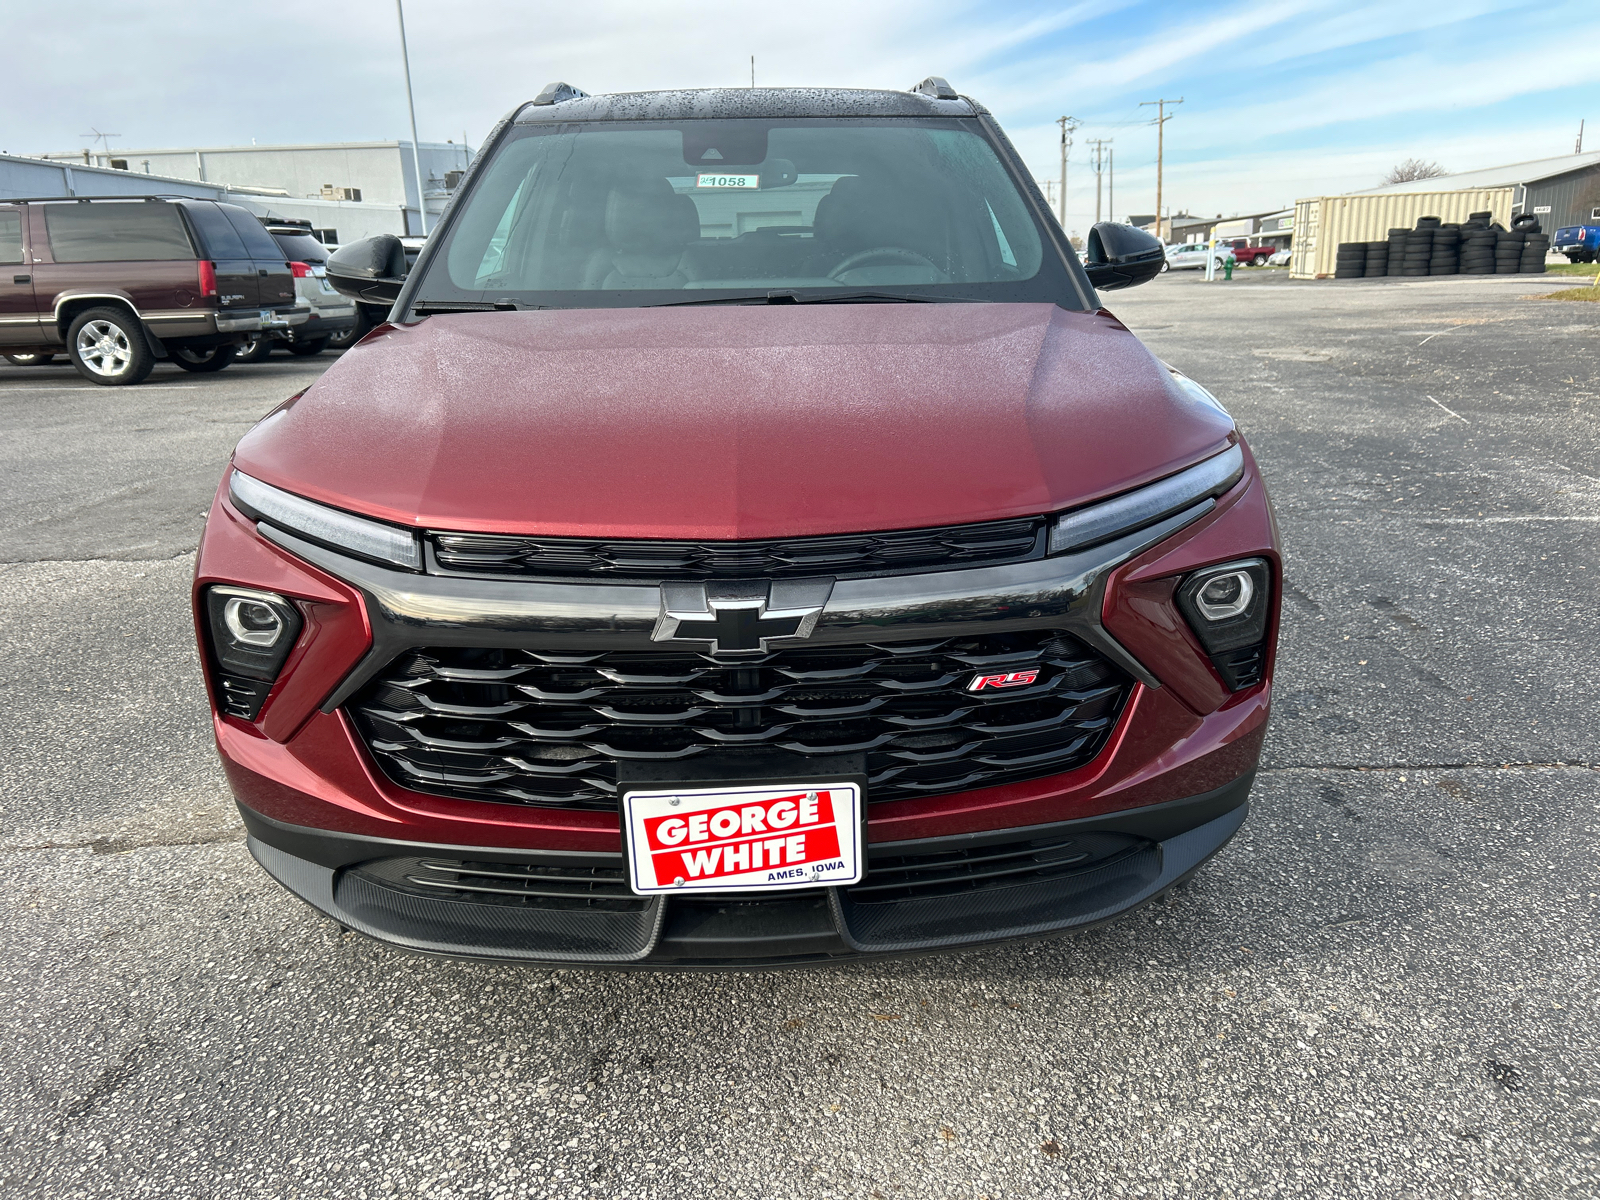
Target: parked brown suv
(117, 283)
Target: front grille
(520, 885)
(844, 554)
(923, 875)
(534, 727)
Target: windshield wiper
(425, 307)
(794, 297)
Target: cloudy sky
(1282, 98)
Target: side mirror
(373, 269)
(1120, 256)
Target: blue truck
(1580, 243)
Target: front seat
(648, 226)
(868, 214)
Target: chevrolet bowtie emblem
(740, 618)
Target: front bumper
(1141, 853)
(1172, 776)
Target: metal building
(334, 220)
(1564, 190)
(378, 173)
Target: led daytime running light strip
(1124, 514)
(370, 539)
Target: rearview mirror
(1120, 256)
(373, 269)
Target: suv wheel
(311, 346)
(349, 337)
(255, 350)
(107, 346)
(200, 359)
(30, 360)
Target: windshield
(634, 213)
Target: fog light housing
(1227, 606)
(251, 635)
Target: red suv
(749, 542)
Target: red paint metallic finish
(742, 422)
(335, 633)
(1139, 608)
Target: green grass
(1591, 294)
(1572, 269)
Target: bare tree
(1413, 168)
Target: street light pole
(416, 150)
(1161, 126)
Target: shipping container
(1323, 222)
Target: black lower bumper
(917, 896)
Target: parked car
(1191, 255)
(1247, 255)
(749, 542)
(116, 282)
(330, 314)
(1580, 243)
(1279, 258)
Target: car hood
(734, 422)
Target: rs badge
(1010, 679)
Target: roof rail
(558, 93)
(934, 85)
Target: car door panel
(19, 314)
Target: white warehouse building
(347, 190)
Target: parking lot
(1385, 987)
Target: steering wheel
(885, 255)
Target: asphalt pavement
(1386, 986)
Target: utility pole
(1099, 145)
(416, 150)
(1068, 124)
(752, 70)
(1578, 149)
(1161, 125)
(1111, 183)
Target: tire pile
(1477, 246)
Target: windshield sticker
(727, 181)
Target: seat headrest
(859, 213)
(648, 217)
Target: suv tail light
(208, 278)
(301, 270)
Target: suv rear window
(136, 231)
(252, 232)
(301, 247)
(218, 233)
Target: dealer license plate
(748, 839)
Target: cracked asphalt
(1385, 987)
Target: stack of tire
(1419, 247)
(1535, 244)
(1397, 250)
(1350, 262)
(1478, 245)
(1446, 258)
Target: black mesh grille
(930, 873)
(844, 554)
(532, 727)
(520, 885)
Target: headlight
(340, 530)
(1145, 506)
(251, 636)
(1227, 607)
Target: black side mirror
(373, 269)
(1120, 256)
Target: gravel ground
(1385, 987)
